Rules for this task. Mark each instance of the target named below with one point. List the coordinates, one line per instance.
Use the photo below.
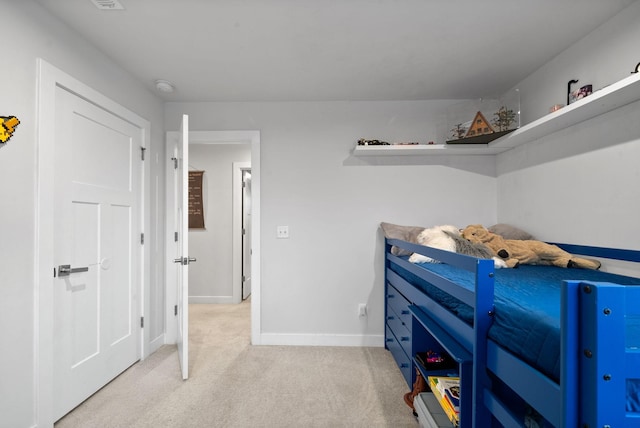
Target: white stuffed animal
(437, 238)
(448, 238)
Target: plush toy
(531, 252)
(448, 238)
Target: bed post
(602, 365)
(569, 353)
(483, 317)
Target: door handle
(66, 270)
(184, 260)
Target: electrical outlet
(362, 310)
(282, 232)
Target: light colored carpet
(234, 384)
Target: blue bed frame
(595, 362)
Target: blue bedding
(527, 307)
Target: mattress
(527, 307)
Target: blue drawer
(400, 305)
(400, 331)
(403, 361)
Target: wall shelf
(609, 98)
(426, 150)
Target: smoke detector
(164, 86)
(108, 4)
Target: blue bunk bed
(563, 344)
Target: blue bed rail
(601, 252)
(473, 339)
(597, 358)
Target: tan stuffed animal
(530, 252)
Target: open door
(182, 248)
(246, 233)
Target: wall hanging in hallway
(196, 208)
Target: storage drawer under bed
(402, 359)
(400, 306)
(400, 330)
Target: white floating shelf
(614, 96)
(600, 102)
(426, 150)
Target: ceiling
(324, 50)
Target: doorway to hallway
(220, 242)
(222, 260)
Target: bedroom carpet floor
(234, 384)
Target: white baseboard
(211, 299)
(321, 340)
(155, 344)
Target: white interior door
(182, 259)
(96, 216)
(246, 235)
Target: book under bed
(565, 342)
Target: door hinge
(142, 150)
(141, 322)
(244, 278)
(175, 236)
(244, 231)
(54, 272)
(142, 239)
(175, 163)
(175, 310)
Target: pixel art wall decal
(7, 127)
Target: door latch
(66, 270)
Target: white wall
(333, 203)
(580, 185)
(210, 278)
(32, 34)
(603, 57)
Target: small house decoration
(479, 126)
(480, 130)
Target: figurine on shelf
(580, 93)
(434, 357)
(405, 143)
(363, 142)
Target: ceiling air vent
(108, 4)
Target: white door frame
(222, 137)
(236, 222)
(49, 78)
